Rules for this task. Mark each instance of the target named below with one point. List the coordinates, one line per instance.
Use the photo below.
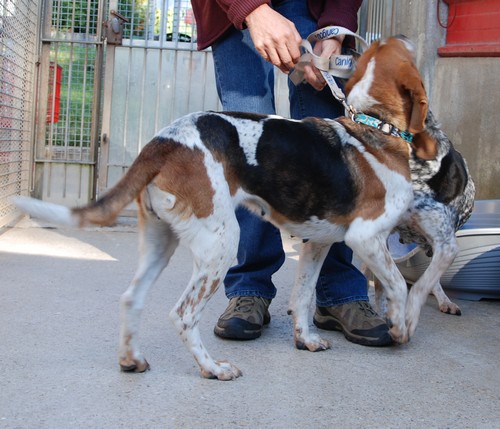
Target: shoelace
(367, 309)
(245, 303)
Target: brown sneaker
(243, 318)
(357, 320)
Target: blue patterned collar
(385, 127)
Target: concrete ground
(59, 293)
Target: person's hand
(323, 48)
(275, 37)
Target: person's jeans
(245, 83)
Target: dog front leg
(311, 259)
(374, 253)
(380, 303)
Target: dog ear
(409, 79)
(424, 146)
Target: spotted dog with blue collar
(323, 180)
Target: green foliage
(79, 16)
(145, 19)
(136, 11)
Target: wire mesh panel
(69, 93)
(158, 21)
(69, 110)
(18, 25)
(156, 77)
(159, 76)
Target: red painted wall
(473, 28)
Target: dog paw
(223, 370)
(450, 308)
(314, 343)
(399, 335)
(134, 365)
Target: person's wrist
(254, 14)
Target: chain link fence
(63, 151)
(18, 36)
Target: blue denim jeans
(245, 83)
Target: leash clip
(353, 113)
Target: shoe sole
(239, 333)
(330, 324)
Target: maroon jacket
(215, 17)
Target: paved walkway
(59, 292)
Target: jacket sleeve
(238, 10)
(343, 13)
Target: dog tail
(53, 213)
(106, 209)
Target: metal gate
(18, 41)
(135, 57)
(154, 74)
(69, 92)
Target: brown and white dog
(319, 179)
(443, 188)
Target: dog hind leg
(214, 249)
(445, 304)
(441, 260)
(437, 227)
(157, 243)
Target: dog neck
(386, 127)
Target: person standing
(248, 39)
